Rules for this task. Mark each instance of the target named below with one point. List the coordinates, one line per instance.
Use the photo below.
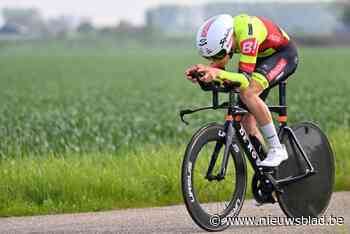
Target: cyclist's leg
(249, 122)
(257, 108)
(273, 69)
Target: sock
(271, 136)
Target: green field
(92, 126)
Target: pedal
(272, 199)
(262, 189)
(264, 170)
(274, 195)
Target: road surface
(171, 219)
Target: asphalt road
(171, 219)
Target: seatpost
(282, 101)
(215, 99)
(231, 101)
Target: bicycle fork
(227, 134)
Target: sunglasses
(220, 55)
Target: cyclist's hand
(210, 73)
(188, 73)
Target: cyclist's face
(222, 62)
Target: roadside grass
(144, 177)
(90, 182)
(340, 140)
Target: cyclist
(267, 56)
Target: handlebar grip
(197, 75)
(205, 86)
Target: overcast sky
(104, 11)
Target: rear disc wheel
(308, 197)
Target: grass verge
(142, 178)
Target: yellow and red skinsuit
(254, 37)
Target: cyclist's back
(258, 38)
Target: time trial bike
(214, 172)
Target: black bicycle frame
(233, 127)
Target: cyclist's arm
(234, 77)
(224, 75)
(247, 60)
(250, 34)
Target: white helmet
(215, 36)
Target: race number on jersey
(249, 47)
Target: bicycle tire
(310, 196)
(199, 216)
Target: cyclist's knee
(253, 90)
(247, 94)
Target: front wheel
(209, 202)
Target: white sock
(271, 136)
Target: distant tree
(346, 15)
(106, 30)
(125, 26)
(85, 26)
(61, 26)
(342, 8)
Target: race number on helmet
(215, 35)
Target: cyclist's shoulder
(243, 19)
(239, 21)
(247, 26)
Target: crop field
(88, 112)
